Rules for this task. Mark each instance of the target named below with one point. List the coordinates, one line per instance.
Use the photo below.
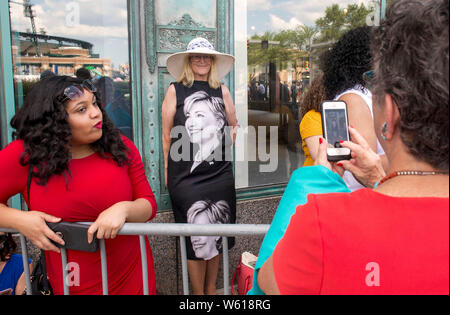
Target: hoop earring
(384, 129)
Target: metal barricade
(160, 229)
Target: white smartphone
(335, 129)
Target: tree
(279, 53)
(308, 33)
(356, 15)
(339, 20)
(332, 24)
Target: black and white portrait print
(205, 122)
(208, 212)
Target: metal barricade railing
(160, 229)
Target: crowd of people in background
(289, 92)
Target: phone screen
(336, 127)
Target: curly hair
(346, 62)
(43, 126)
(314, 96)
(411, 50)
(7, 247)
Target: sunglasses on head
(74, 92)
(368, 77)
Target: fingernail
(340, 164)
(342, 141)
(351, 126)
(320, 140)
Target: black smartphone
(75, 236)
(335, 129)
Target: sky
(104, 22)
(100, 22)
(277, 15)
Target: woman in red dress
(393, 239)
(81, 169)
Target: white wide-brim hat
(200, 46)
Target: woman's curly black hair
(411, 58)
(345, 63)
(43, 126)
(7, 247)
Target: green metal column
(7, 107)
(383, 9)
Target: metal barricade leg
(156, 229)
(65, 273)
(26, 268)
(144, 265)
(226, 266)
(104, 267)
(184, 265)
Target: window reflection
(284, 43)
(74, 38)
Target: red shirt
(365, 243)
(96, 184)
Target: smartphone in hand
(335, 129)
(75, 236)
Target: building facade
(276, 44)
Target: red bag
(244, 274)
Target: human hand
(322, 158)
(6, 292)
(33, 225)
(109, 222)
(365, 164)
(233, 133)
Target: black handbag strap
(44, 271)
(46, 289)
(30, 175)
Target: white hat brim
(224, 62)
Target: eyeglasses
(198, 58)
(368, 78)
(74, 92)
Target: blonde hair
(187, 76)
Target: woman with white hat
(197, 115)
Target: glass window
(75, 38)
(284, 41)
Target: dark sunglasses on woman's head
(74, 92)
(368, 77)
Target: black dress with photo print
(211, 181)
